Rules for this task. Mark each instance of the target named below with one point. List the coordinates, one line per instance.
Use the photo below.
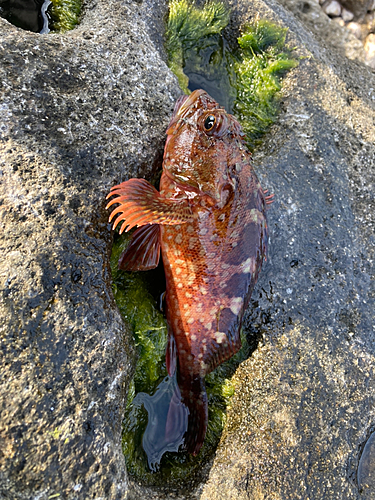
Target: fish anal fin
(140, 204)
(143, 251)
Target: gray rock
(82, 111)
(358, 7)
(330, 33)
(332, 8)
(79, 113)
(304, 404)
(370, 50)
(347, 15)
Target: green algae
(264, 60)
(138, 307)
(65, 15)
(188, 25)
(245, 78)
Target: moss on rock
(251, 72)
(65, 14)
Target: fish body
(209, 222)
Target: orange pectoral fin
(143, 251)
(141, 204)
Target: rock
(303, 407)
(79, 112)
(84, 110)
(332, 8)
(370, 50)
(356, 29)
(358, 7)
(330, 34)
(347, 15)
(339, 20)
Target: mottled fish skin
(213, 243)
(211, 262)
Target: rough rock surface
(78, 113)
(358, 7)
(83, 110)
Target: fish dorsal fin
(143, 251)
(140, 204)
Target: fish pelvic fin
(140, 204)
(143, 251)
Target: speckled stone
(332, 8)
(79, 112)
(82, 111)
(370, 50)
(358, 7)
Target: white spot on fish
(248, 265)
(178, 238)
(190, 321)
(220, 337)
(236, 305)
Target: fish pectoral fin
(140, 204)
(143, 251)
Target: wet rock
(332, 8)
(79, 112)
(358, 7)
(370, 50)
(88, 109)
(303, 407)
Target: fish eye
(209, 123)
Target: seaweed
(246, 79)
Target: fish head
(202, 146)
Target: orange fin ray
(140, 204)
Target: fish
(208, 222)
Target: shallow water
(30, 15)
(209, 67)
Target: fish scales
(209, 222)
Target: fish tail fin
(194, 397)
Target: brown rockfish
(209, 222)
